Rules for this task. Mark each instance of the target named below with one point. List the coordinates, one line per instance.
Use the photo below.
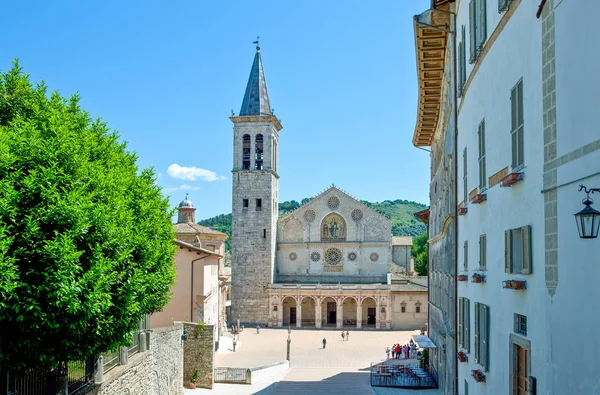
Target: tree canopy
(86, 240)
(420, 252)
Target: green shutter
(485, 344)
(508, 251)
(460, 322)
(482, 252)
(526, 249)
(482, 23)
(466, 255)
(472, 22)
(467, 326)
(476, 338)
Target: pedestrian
(347, 335)
(397, 351)
(324, 342)
(234, 344)
(343, 335)
(387, 353)
(393, 351)
(257, 329)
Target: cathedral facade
(331, 263)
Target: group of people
(401, 351)
(345, 336)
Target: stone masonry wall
(158, 371)
(198, 353)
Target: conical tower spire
(256, 98)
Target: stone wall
(198, 353)
(157, 371)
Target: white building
(526, 139)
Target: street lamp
(289, 341)
(588, 219)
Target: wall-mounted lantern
(588, 219)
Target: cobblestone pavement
(341, 368)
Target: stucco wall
(410, 319)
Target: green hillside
(399, 211)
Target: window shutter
(482, 23)
(482, 252)
(513, 125)
(467, 326)
(472, 22)
(460, 322)
(508, 251)
(485, 318)
(466, 255)
(526, 249)
(476, 338)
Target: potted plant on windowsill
(478, 376)
(478, 278)
(462, 356)
(462, 277)
(194, 380)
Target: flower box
(462, 211)
(511, 179)
(462, 356)
(478, 376)
(462, 277)
(480, 197)
(514, 284)
(477, 278)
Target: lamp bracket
(588, 190)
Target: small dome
(186, 203)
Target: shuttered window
(482, 318)
(465, 189)
(462, 63)
(517, 250)
(482, 252)
(466, 255)
(464, 324)
(477, 28)
(516, 125)
(482, 172)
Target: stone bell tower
(255, 197)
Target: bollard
(99, 370)
(143, 344)
(123, 357)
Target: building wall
(572, 294)
(253, 232)
(410, 319)
(198, 354)
(487, 97)
(401, 259)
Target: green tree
(86, 240)
(419, 252)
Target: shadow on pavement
(347, 383)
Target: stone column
(299, 313)
(358, 314)
(377, 315)
(280, 313)
(388, 313)
(339, 313)
(318, 307)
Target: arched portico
(309, 311)
(329, 312)
(369, 312)
(290, 311)
(349, 312)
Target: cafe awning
(423, 341)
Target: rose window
(374, 256)
(315, 256)
(333, 202)
(352, 256)
(357, 215)
(309, 215)
(293, 256)
(333, 256)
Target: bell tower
(255, 200)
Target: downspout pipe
(192, 287)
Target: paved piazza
(342, 368)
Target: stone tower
(255, 196)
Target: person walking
(234, 344)
(257, 329)
(347, 335)
(397, 351)
(387, 353)
(343, 335)
(324, 343)
(394, 351)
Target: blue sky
(166, 75)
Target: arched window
(333, 227)
(246, 152)
(258, 152)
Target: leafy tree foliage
(86, 240)
(419, 252)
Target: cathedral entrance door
(331, 313)
(371, 316)
(292, 315)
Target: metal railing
(134, 346)
(37, 381)
(231, 375)
(80, 374)
(111, 359)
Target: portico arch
(349, 311)
(329, 312)
(309, 313)
(369, 312)
(289, 311)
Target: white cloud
(183, 187)
(192, 173)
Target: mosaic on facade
(333, 227)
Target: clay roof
(402, 241)
(408, 287)
(192, 247)
(192, 228)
